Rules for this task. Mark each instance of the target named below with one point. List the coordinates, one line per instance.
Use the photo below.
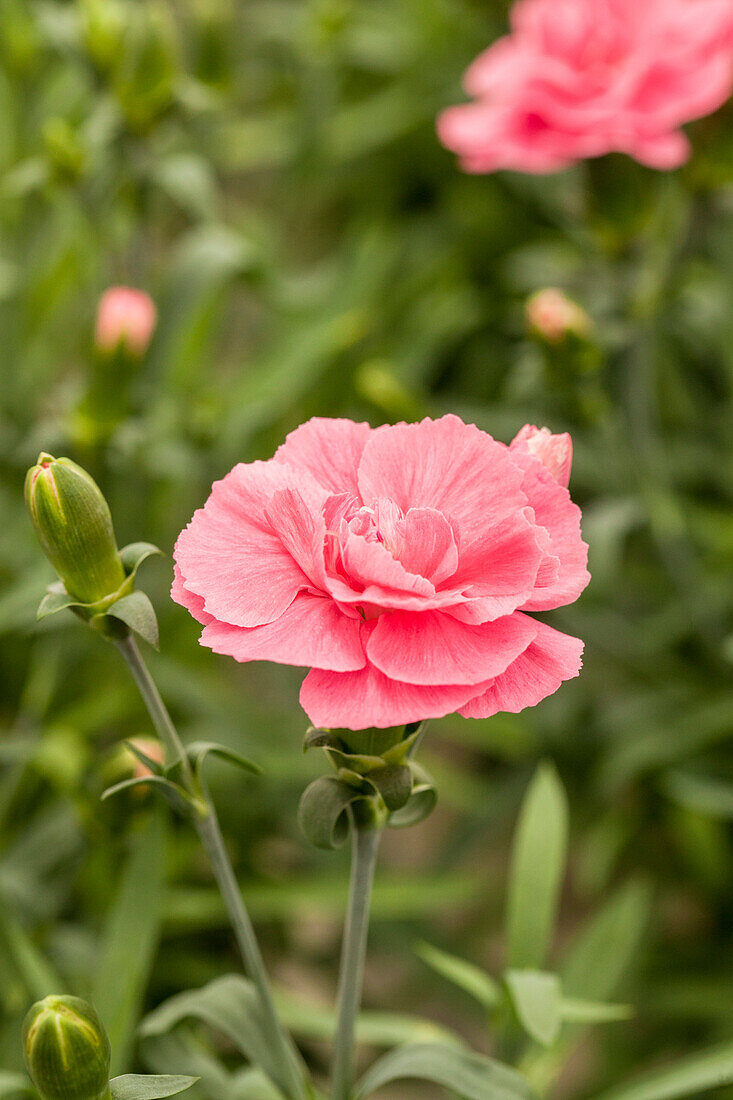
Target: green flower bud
(74, 526)
(66, 1050)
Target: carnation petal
(301, 532)
(330, 449)
(312, 632)
(229, 554)
(194, 604)
(443, 464)
(431, 647)
(555, 511)
(430, 548)
(547, 662)
(502, 564)
(358, 700)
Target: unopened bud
(66, 1050)
(555, 452)
(553, 316)
(74, 526)
(126, 320)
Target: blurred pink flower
(125, 317)
(580, 78)
(399, 564)
(555, 452)
(553, 316)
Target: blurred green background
(268, 170)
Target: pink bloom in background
(125, 317)
(553, 316)
(555, 452)
(580, 78)
(398, 563)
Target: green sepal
(135, 553)
(155, 767)
(198, 751)
(137, 612)
(56, 599)
(403, 750)
(144, 1086)
(181, 801)
(394, 784)
(353, 761)
(323, 811)
(320, 739)
(421, 802)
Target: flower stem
(209, 831)
(365, 843)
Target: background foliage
(269, 171)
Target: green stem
(211, 837)
(365, 843)
(155, 705)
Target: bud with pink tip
(126, 320)
(553, 316)
(555, 452)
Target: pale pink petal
(370, 564)
(329, 449)
(193, 603)
(431, 647)
(358, 700)
(501, 567)
(429, 545)
(312, 632)
(548, 661)
(301, 532)
(229, 554)
(555, 452)
(443, 464)
(555, 511)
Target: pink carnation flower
(125, 318)
(399, 564)
(580, 78)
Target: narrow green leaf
(153, 765)
(137, 612)
(537, 868)
(536, 997)
(137, 1086)
(378, 1029)
(470, 1075)
(198, 751)
(179, 799)
(14, 1084)
(574, 1011)
(702, 793)
(476, 982)
(601, 956)
(36, 973)
(130, 939)
(230, 1005)
(708, 1070)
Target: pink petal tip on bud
(555, 452)
(553, 316)
(126, 318)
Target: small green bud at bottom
(66, 1050)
